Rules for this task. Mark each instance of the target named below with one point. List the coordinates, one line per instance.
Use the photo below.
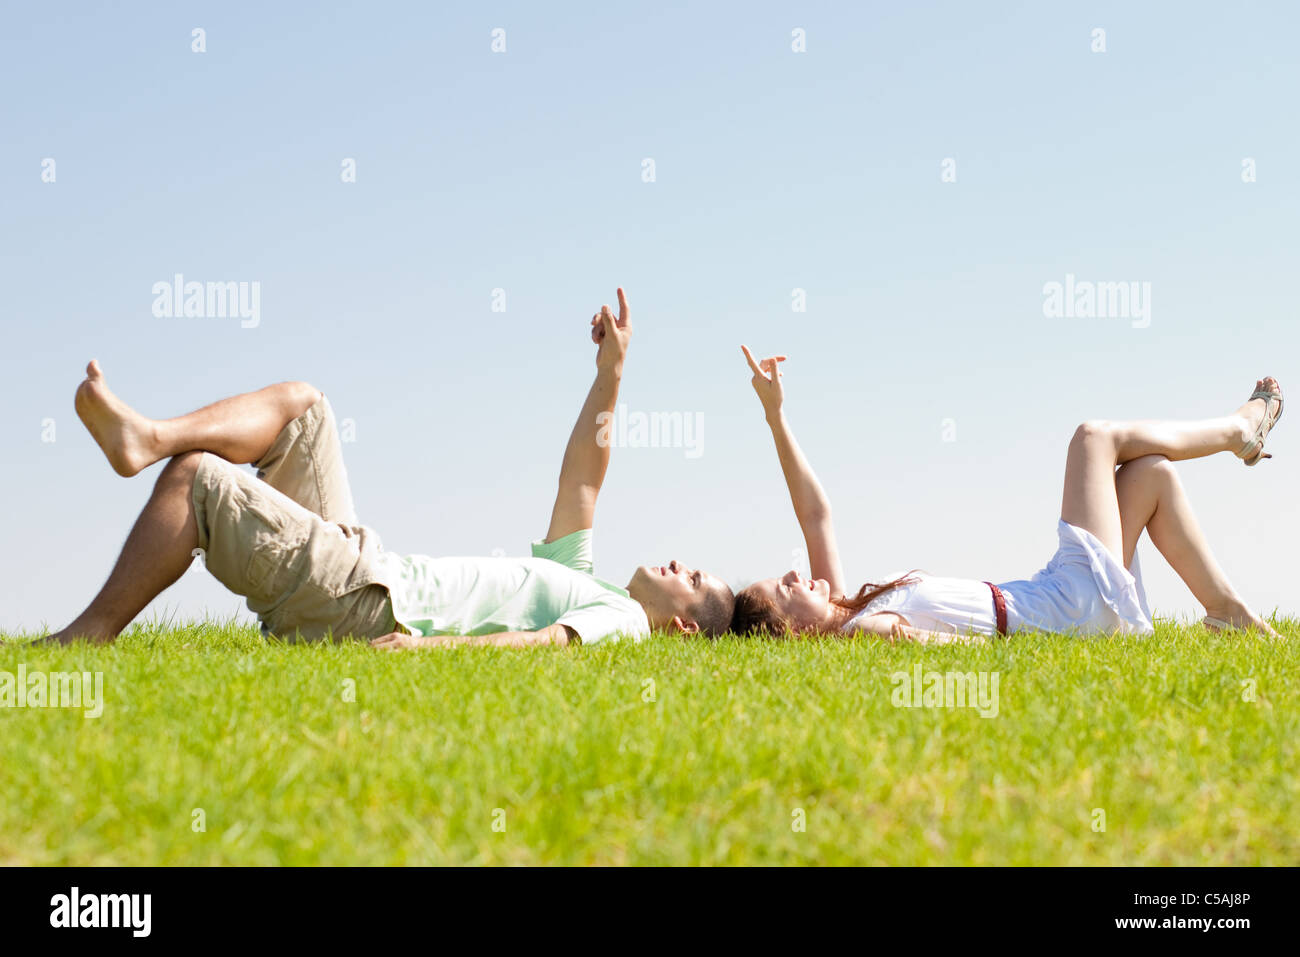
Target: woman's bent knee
(1094, 434)
(1149, 468)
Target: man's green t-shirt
(481, 596)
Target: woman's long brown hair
(755, 614)
(869, 592)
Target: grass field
(666, 752)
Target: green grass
(739, 737)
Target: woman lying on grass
(1085, 589)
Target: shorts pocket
(262, 565)
(333, 561)
(277, 553)
(273, 521)
(271, 572)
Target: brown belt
(1000, 608)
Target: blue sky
(774, 170)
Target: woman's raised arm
(811, 506)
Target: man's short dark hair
(713, 611)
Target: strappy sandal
(1218, 626)
(1253, 451)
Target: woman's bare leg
(240, 429)
(157, 552)
(1177, 441)
(1152, 497)
(1089, 500)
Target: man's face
(672, 590)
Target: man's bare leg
(239, 429)
(157, 552)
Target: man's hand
(612, 335)
(767, 382)
(551, 635)
(396, 640)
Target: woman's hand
(612, 335)
(900, 632)
(767, 382)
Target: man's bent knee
(181, 469)
(301, 396)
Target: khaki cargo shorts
(288, 540)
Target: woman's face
(805, 603)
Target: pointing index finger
(624, 312)
(749, 357)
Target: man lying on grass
(288, 540)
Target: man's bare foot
(128, 439)
(67, 636)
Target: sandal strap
(1266, 424)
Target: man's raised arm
(587, 457)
